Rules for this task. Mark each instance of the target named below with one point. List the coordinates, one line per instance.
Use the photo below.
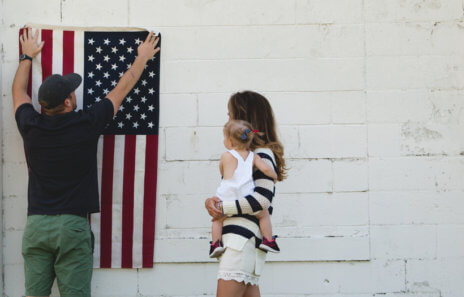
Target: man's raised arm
(146, 51)
(30, 49)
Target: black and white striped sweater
(241, 224)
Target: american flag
(128, 151)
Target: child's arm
(229, 164)
(221, 167)
(265, 168)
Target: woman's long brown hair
(255, 109)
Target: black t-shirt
(61, 151)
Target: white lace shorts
(242, 266)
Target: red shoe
(216, 249)
(269, 245)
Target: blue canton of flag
(108, 55)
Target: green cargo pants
(58, 246)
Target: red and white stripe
(127, 166)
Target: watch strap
(25, 57)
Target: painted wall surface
(369, 99)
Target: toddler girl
(236, 167)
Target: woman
(240, 265)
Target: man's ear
(67, 102)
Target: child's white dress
(241, 184)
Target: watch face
(24, 57)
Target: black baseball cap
(56, 88)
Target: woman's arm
(260, 199)
(265, 168)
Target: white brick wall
(369, 99)
(1, 141)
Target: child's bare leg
(216, 231)
(265, 224)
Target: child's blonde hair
(240, 133)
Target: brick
(449, 174)
(13, 144)
(395, 106)
(403, 242)
(15, 179)
(178, 110)
(186, 177)
(331, 11)
(350, 108)
(212, 109)
(416, 207)
(13, 276)
(114, 282)
(450, 241)
(14, 212)
(306, 210)
(36, 12)
(257, 42)
(403, 173)
(204, 143)
(332, 278)
(186, 211)
(10, 54)
(222, 12)
(263, 75)
(447, 106)
(432, 139)
(392, 39)
(415, 139)
(307, 176)
(12, 241)
(333, 141)
(413, 10)
(381, 276)
(414, 72)
(152, 282)
(82, 13)
(289, 137)
(416, 294)
(350, 175)
(438, 276)
(384, 140)
(319, 111)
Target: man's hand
(210, 205)
(29, 43)
(146, 49)
(29, 47)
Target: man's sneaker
(216, 249)
(270, 245)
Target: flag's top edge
(90, 28)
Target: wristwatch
(25, 57)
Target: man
(61, 149)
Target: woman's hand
(211, 207)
